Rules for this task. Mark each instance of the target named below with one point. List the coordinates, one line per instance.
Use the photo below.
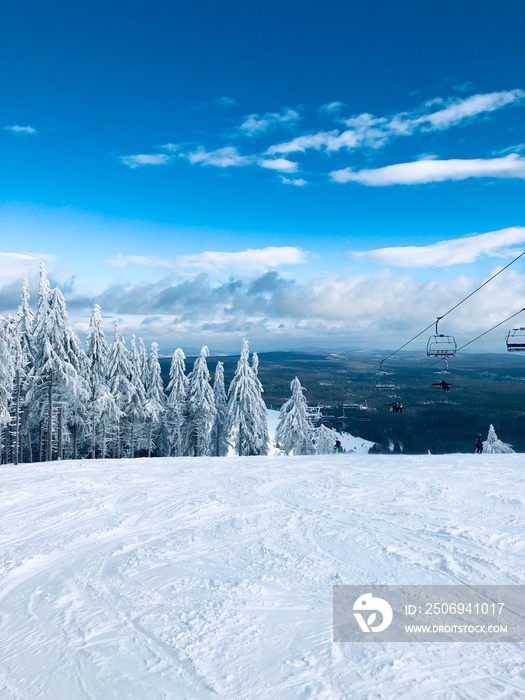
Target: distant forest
(487, 388)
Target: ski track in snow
(212, 578)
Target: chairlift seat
(441, 346)
(516, 340)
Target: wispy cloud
(281, 164)
(141, 159)
(331, 107)
(15, 129)
(466, 249)
(297, 182)
(16, 265)
(250, 259)
(426, 171)
(254, 124)
(368, 131)
(225, 157)
(224, 102)
(121, 260)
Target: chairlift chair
(381, 382)
(440, 345)
(516, 339)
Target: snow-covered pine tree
(177, 391)
(200, 411)
(219, 435)
(261, 412)
(155, 399)
(294, 430)
(24, 331)
(103, 408)
(324, 439)
(7, 375)
(119, 381)
(25, 321)
(493, 445)
(20, 368)
(143, 362)
(135, 409)
(55, 384)
(247, 421)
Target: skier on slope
(479, 444)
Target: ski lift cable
(450, 311)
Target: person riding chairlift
(446, 386)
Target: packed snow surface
(212, 577)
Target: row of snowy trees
(59, 400)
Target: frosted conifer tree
(155, 399)
(7, 375)
(200, 409)
(25, 322)
(324, 439)
(493, 445)
(294, 430)
(177, 391)
(247, 416)
(219, 435)
(144, 363)
(260, 412)
(119, 380)
(55, 384)
(104, 410)
(20, 364)
(135, 409)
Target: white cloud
(298, 181)
(457, 111)
(254, 124)
(425, 171)
(367, 131)
(15, 129)
(225, 157)
(301, 144)
(450, 252)
(171, 147)
(17, 265)
(249, 259)
(121, 260)
(145, 159)
(331, 107)
(281, 164)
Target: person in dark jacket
(479, 444)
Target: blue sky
(331, 174)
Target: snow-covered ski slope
(212, 577)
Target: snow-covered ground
(212, 578)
